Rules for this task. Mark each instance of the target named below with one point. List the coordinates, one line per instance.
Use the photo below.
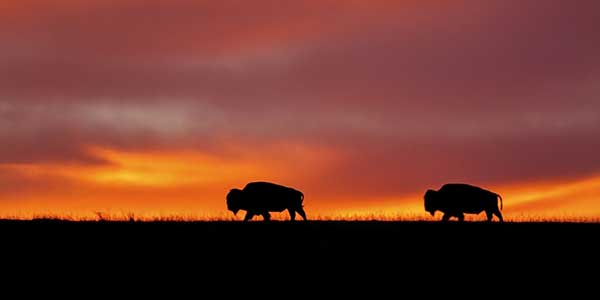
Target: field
(318, 238)
(353, 254)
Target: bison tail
(501, 205)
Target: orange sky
(159, 107)
(193, 185)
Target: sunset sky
(159, 107)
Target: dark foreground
(432, 240)
(361, 250)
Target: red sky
(161, 106)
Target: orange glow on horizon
(184, 183)
(564, 198)
(141, 169)
(152, 169)
(192, 185)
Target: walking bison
(260, 198)
(457, 199)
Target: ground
(323, 255)
(312, 237)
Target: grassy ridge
(313, 236)
(362, 251)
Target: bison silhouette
(260, 198)
(457, 199)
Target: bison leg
(489, 214)
(446, 217)
(292, 214)
(461, 217)
(302, 213)
(499, 215)
(267, 216)
(249, 215)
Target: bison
(260, 198)
(457, 199)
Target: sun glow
(193, 184)
(165, 169)
(142, 169)
(561, 198)
(190, 184)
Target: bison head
(234, 200)
(431, 201)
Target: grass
(131, 217)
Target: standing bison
(457, 199)
(260, 198)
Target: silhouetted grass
(131, 217)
